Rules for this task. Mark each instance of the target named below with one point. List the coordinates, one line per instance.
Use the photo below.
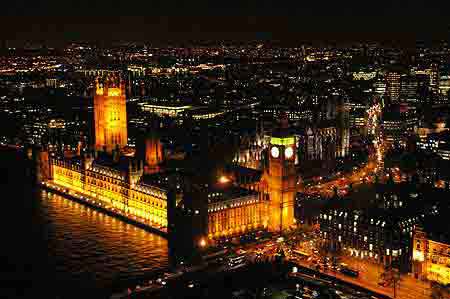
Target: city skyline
(296, 158)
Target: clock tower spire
(282, 177)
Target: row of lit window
(151, 191)
(335, 212)
(232, 205)
(159, 194)
(155, 204)
(108, 172)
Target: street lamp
(223, 180)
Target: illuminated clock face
(288, 152)
(275, 152)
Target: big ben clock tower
(282, 178)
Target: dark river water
(52, 247)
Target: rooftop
(437, 227)
(107, 160)
(244, 174)
(223, 192)
(164, 179)
(417, 203)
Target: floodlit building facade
(110, 115)
(141, 190)
(431, 258)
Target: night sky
(290, 21)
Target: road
(364, 174)
(408, 287)
(269, 250)
(369, 276)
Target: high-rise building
(342, 129)
(399, 121)
(423, 82)
(393, 85)
(110, 114)
(444, 85)
(434, 77)
(379, 87)
(409, 87)
(357, 118)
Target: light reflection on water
(84, 240)
(53, 247)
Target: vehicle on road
(335, 268)
(240, 251)
(266, 292)
(383, 283)
(215, 255)
(349, 272)
(237, 261)
(300, 254)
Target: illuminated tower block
(153, 153)
(342, 129)
(150, 150)
(149, 147)
(282, 178)
(393, 85)
(110, 115)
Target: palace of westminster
(135, 183)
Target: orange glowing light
(223, 180)
(418, 256)
(114, 92)
(110, 117)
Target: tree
(391, 275)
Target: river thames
(58, 248)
